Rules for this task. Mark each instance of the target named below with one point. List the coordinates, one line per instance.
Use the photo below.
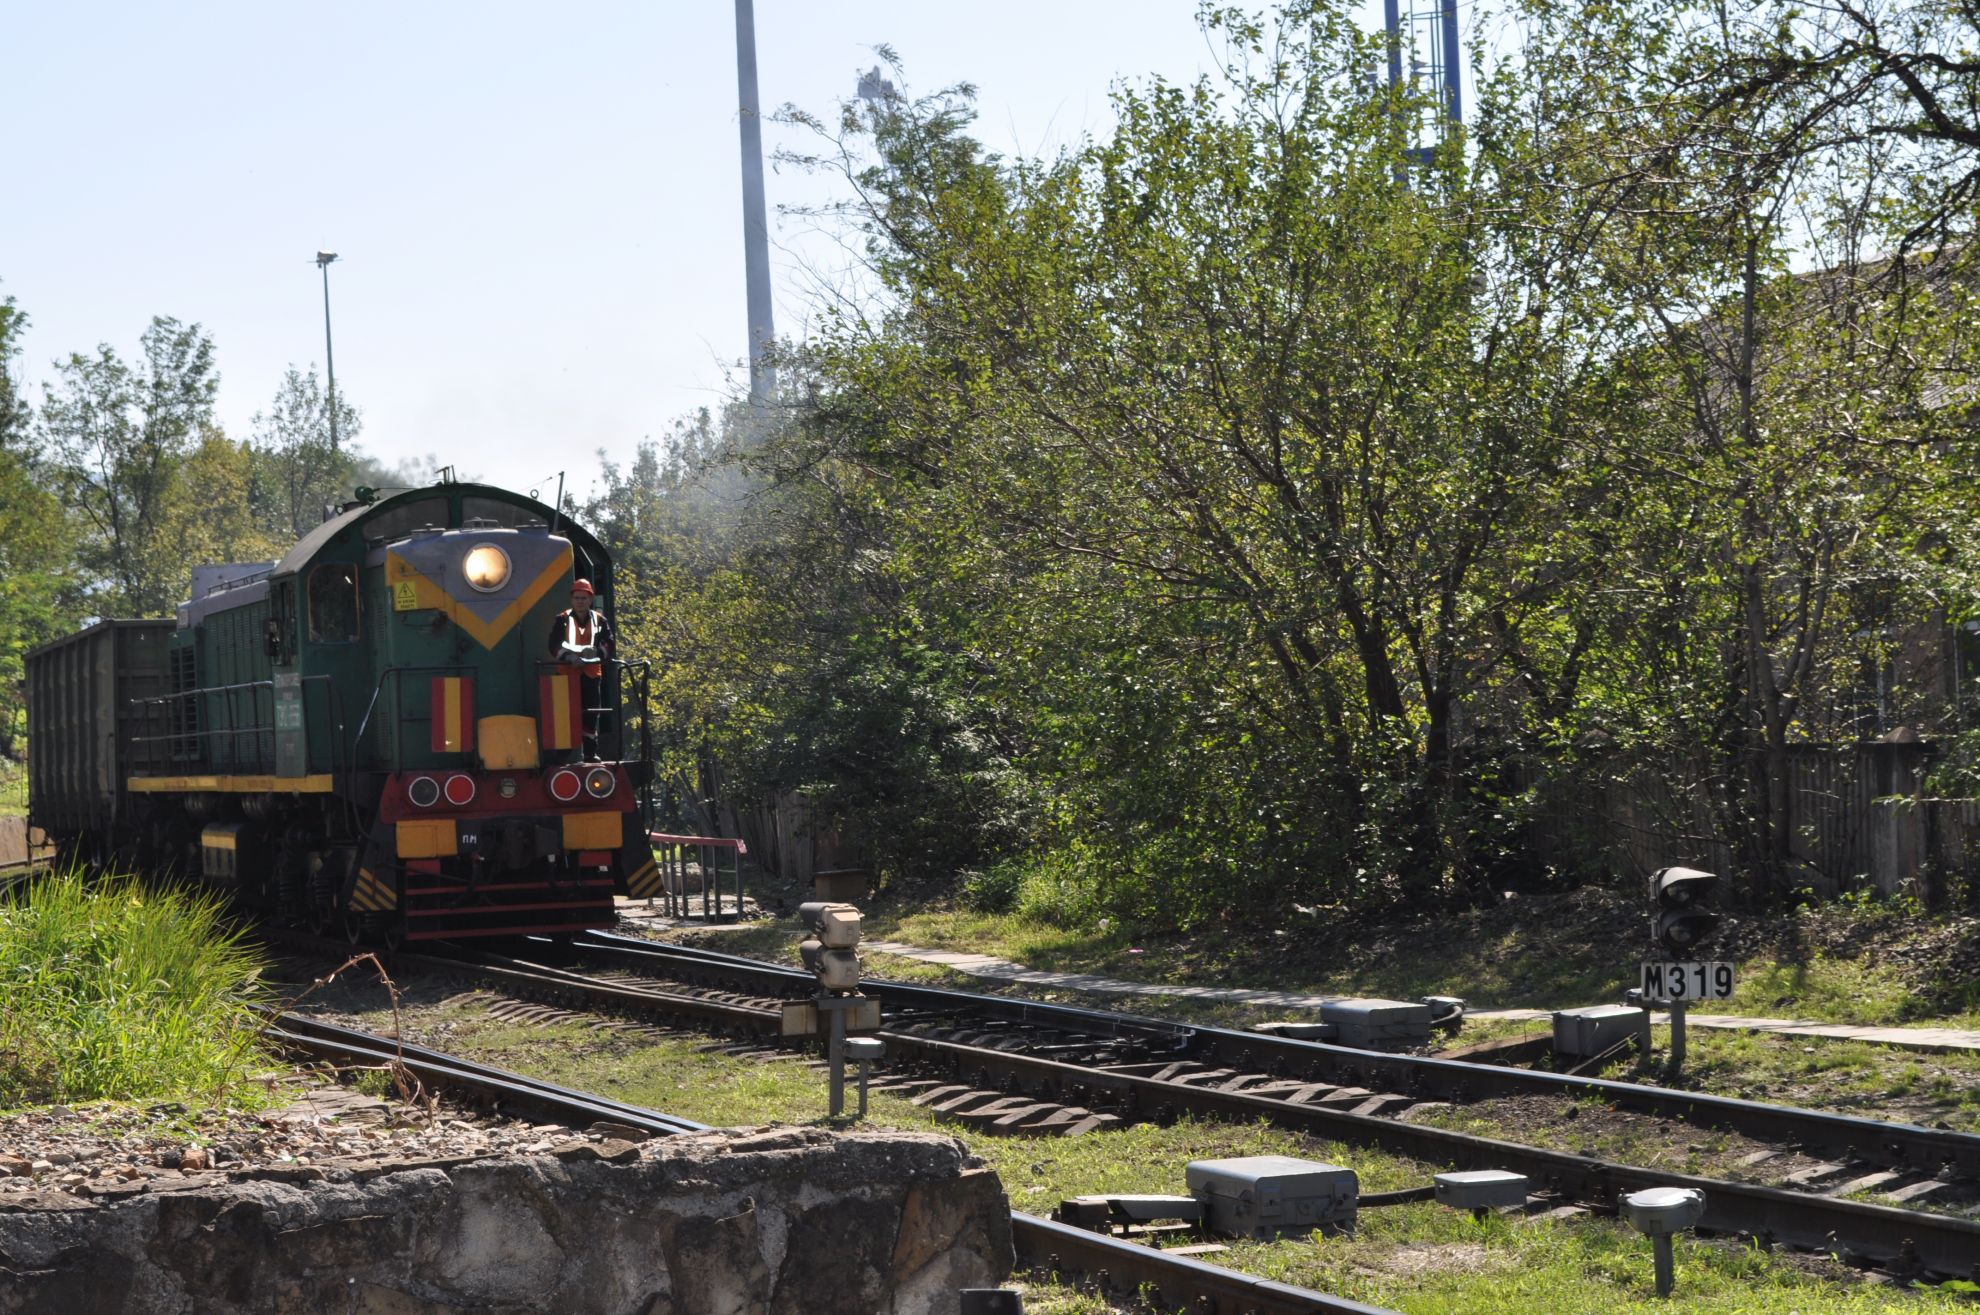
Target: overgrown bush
(995, 890)
(116, 991)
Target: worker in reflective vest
(582, 637)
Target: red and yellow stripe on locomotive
(375, 732)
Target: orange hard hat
(582, 586)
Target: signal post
(831, 952)
(1683, 922)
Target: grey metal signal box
(1259, 1196)
(1378, 1024)
(1590, 1031)
(1481, 1189)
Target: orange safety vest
(577, 632)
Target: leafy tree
(208, 514)
(117, 433)
(33, 539)
(1260, 453)
(1237, 510)
(296, 470)
(15, 415)
(1787, 506)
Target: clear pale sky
(538, 207)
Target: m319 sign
(1687, 981)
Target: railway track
(1312, 1072)
(1041, 1244)
(986, 1059)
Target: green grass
(1516, 966)
(1418, 1259)
(1850, 1077)
(1822, 988)
(112, 991)
(13, 789)
(1506, 970)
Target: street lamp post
(756, 228)
(323, 259)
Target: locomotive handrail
(625, 669)
(639, 671)
(392, 674)
(637, 667)
(166, 703)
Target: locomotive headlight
(600, 782)
(486, 567)
(424, 791)
(460, 790)
(564, 785)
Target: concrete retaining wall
(787, 1222)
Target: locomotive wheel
(384, 930)
(289, 891)
(320, 900)
(376, 929)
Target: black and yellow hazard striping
(373, 894)
(645, 883)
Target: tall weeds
(111, 990)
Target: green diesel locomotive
(380, 732)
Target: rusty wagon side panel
(81, 729)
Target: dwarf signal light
(831, 951)
(1683, 922)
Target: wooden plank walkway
(1003, 970)
(1936, 1040)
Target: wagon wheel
(289, 891)
(321, 900)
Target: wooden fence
(1857, 820)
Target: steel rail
(1887, 1236)
(1901, 1240)
(1177, 1282)
(1883, 1143)
(332, 1041)
(534, 977)
(1038, 1243)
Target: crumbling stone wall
(784, 1222)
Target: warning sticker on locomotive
(405, 596)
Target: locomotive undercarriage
(510, 875)
(309, 862)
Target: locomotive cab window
(333, 603)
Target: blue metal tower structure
(1424, 46)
